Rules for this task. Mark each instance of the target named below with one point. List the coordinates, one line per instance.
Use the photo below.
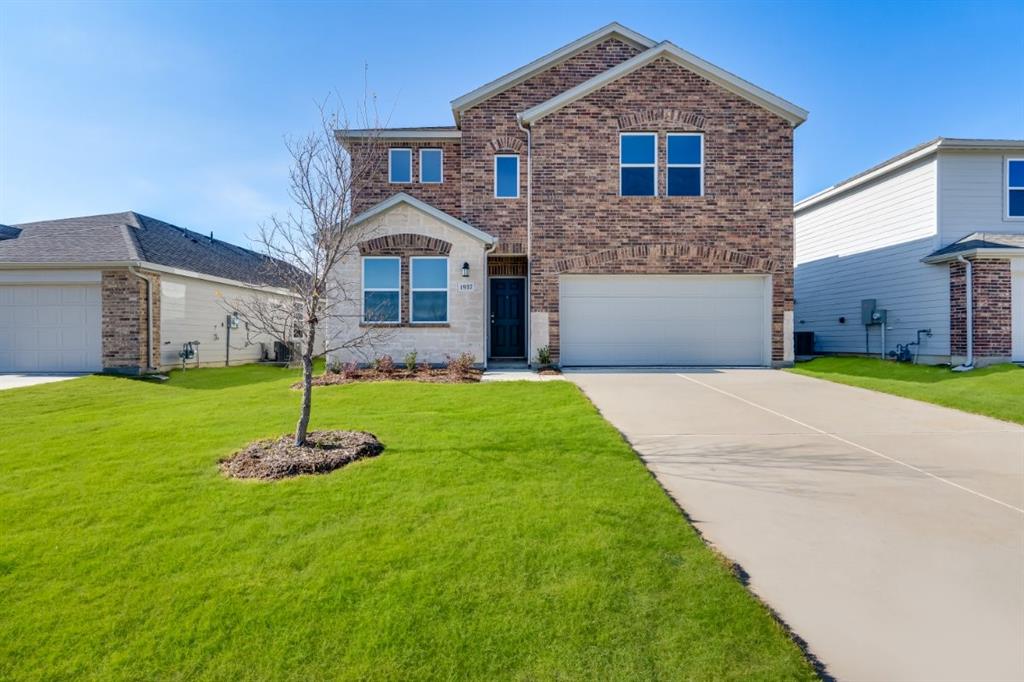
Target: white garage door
(664, 320)
(1017, 311)
(50, 328)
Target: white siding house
(868, 238)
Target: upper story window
(685, 165)
(1015, 188)
(506, 176)
(399, 165)
(637, 165)
(382, 289)
(429, 289)
(431, 166)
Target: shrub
(385, 364)
(350, 369)
(460, 365)
(410, 361)
(334, 366)
(544, 356)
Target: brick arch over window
(645, 118)
(652, 253)
(506, 144)
(405, 244)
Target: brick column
(991, 308)
(124, 322)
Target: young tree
(304, 246)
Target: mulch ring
(427, 376)
(323, 452)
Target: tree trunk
(307, 386)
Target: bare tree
(305, 246)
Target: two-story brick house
(620, 201)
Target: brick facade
(991, 305)
(445, 195)
(124, 324)
(743, 223)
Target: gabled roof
(906, 158)
(980, 244)
(131, 237)
(666, 50)
(409, 200)
(612, 30)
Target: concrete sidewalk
(21, 380)
(888, 533)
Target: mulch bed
(323, 452)
(428, 376)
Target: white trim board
(773, 103)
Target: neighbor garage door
(50, 328)
(664, 320)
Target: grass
(507, 532)
(996, 391)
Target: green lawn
(996, 391)
(507, 532)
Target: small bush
(350, 369)
(544, 356)
(385, 364)
(410, 361)
(460, 365)
(334, 366)
(424, 367)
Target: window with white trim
(1015, 188)
(429, 289)
(382, 289)
(506, 176)
(399, 165)
(638, 174)
(431, 166)
(685, 165)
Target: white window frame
(518, 170)
(362, 301)
(413, 290)
(639, 165)
(431, 149)
(700, 165)
(1010, 188)
(399, 149)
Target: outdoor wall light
(465, 269)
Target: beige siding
(465, 331)
(196, 310)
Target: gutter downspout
(529, 231)
(969, 283)
(149, 318)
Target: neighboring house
(84, 294)
(618, 200)
(904, 233)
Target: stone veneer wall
(992, 309)
(124, 325)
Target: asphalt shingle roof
(982, 240)
(131, 236)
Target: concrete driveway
(888, 533)
(20, 380)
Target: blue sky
(179, 110)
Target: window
(637, 171)
(685, 165)
(400, 165)
(506, 176)
(382, 289)
(431, 166)
(429, 289)
(1015, 188)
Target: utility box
(867, 311)
(804, 342)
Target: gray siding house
(936, 236)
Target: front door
(508, 328)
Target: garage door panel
(664, 320)
(46, 328)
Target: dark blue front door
(508, 317)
